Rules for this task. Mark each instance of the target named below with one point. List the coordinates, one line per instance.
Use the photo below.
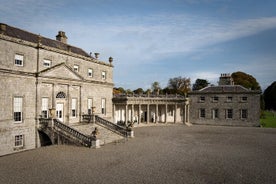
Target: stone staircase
(105, 135)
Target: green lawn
(268, 119)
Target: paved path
(162, 154)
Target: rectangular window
(202, 99)
(44, 108)
(244, 99)
(74, 107)
(89, 105)
(18, 60)
(214, 113)
(103, 106)
(76, 68)
(229, 113)
(17, 109)
(104, 75)
(244, 114)
(215, 98)
(19, 140)
(202, 113)
(47, 63)
(90, 72)
(229, 99)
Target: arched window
(61, 95)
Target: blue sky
(155, 40)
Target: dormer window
(18, 59)
(76, 68)
(47, 63)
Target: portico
(150, 109)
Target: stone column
(184, 114)
(148, 113)
(156, 113)
(132, 112)
(139, 113)
(114, 114)
(126, 115)
(166, 112)
(175, 109)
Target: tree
(138, 91)
(200, 83)
(155, 87)
(270, 97)
(180, 85)
(245, 80)
(119, 90)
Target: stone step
(105, 136)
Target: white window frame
(90, 72)
(244, 99)
(18, 109)
(215, 113)
(19, 140)
(89, 105)
(74, 107)
(47, 63)
(76, 68)
(45, 107)
(229, 113)
(104, 75)
(229, 99)
(215, 99)
(103, 106)
(19, 60)
(244, 113)
(202, 113)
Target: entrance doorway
(59, 111)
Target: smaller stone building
(225, 104)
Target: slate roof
(31, 37)
(225, 89)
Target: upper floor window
(103, 106)
(89, 105)
(76, 68)
(244, 99)
(202, 99)
(215, 98)
(18, 59)
(17, 109)
(90, 72)
(104, 75)
(229, 99)
(47, 63)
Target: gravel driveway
(159, 154)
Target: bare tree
(180, 85)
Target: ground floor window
(19, 140)
(229, 113)
(202, 113)
(244, 114)
(17, 108)
(103, 106)
(74, 107)
(44, 108)
(215, 113)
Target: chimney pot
(61, 37)
(97, 55)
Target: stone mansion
(44, 78)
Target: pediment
(61, 71)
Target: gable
(61, 71)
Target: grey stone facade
(226, 104)
(36, 72)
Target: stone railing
(126, 132)
(124, 95)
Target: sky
(155, 40)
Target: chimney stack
(61, 37)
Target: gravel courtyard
(159, 154)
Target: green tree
(270, 97)
(155, 87)
(138, 91)
(179, 85)
(245, 80)
(200, 83)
